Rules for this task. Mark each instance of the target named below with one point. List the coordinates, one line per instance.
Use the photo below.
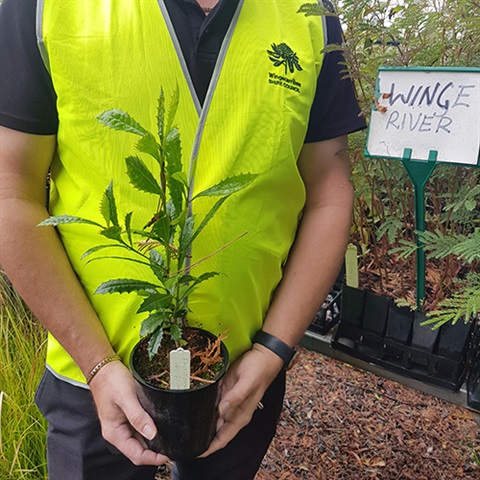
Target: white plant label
(180, 369)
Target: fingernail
(148, 432)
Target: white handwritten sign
(431, 109)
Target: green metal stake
(419, 172)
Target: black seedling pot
(353, 300)
(375, 313)
(453, 340)
(399, 325)
(186, 419)
(424, 338)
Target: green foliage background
(430, 33)
(378, 33)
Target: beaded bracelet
(100, 365)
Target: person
(259, 93)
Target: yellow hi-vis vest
(105, 54)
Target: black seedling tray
(376, 331)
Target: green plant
(164, 243)
(463, 302)
(410, 33)
(22, 357)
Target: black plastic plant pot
(424, 342)
(375, 313)
(399, 325)
(424, 337)
(353, 300)
(453, 340)
(186, 419)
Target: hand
(242, 388)
(124, 421)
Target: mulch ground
(342, 423)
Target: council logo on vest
(282, 55)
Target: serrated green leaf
(108, 207)
(206, 276)
(173, 159)
(114, 233)
(173, 150)
(202, 278)
(66, 220)
(125, 285)
(208, 217)
(119, 120)
(180, 177)
(183, 291)
(143, 234)
(153, 322)
(172, 282)
(128, 227)
(179, 217)
(172, 109)
(175, 332)
(105, 209)
(141, 177)
(186, 238)
(154, 342)
(186, 278)
(155, 301)
(157, 265)
(161, 116)
(229, 185)
(161, 229)
(97, 248)
(147, 144)
(123, 259)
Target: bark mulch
(342, 423)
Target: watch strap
(277, 346)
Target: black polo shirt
(28, 100)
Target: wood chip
(342, 423)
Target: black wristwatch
(277, 346)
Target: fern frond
(315, 9)
(465, 200)
(465, 247)
(438, 244)
(463, 304)
(391, 228)
(405, 249)
(469, 248)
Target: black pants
(76, 449)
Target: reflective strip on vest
(105, 54)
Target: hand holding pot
(242, 389)
(124, 421)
